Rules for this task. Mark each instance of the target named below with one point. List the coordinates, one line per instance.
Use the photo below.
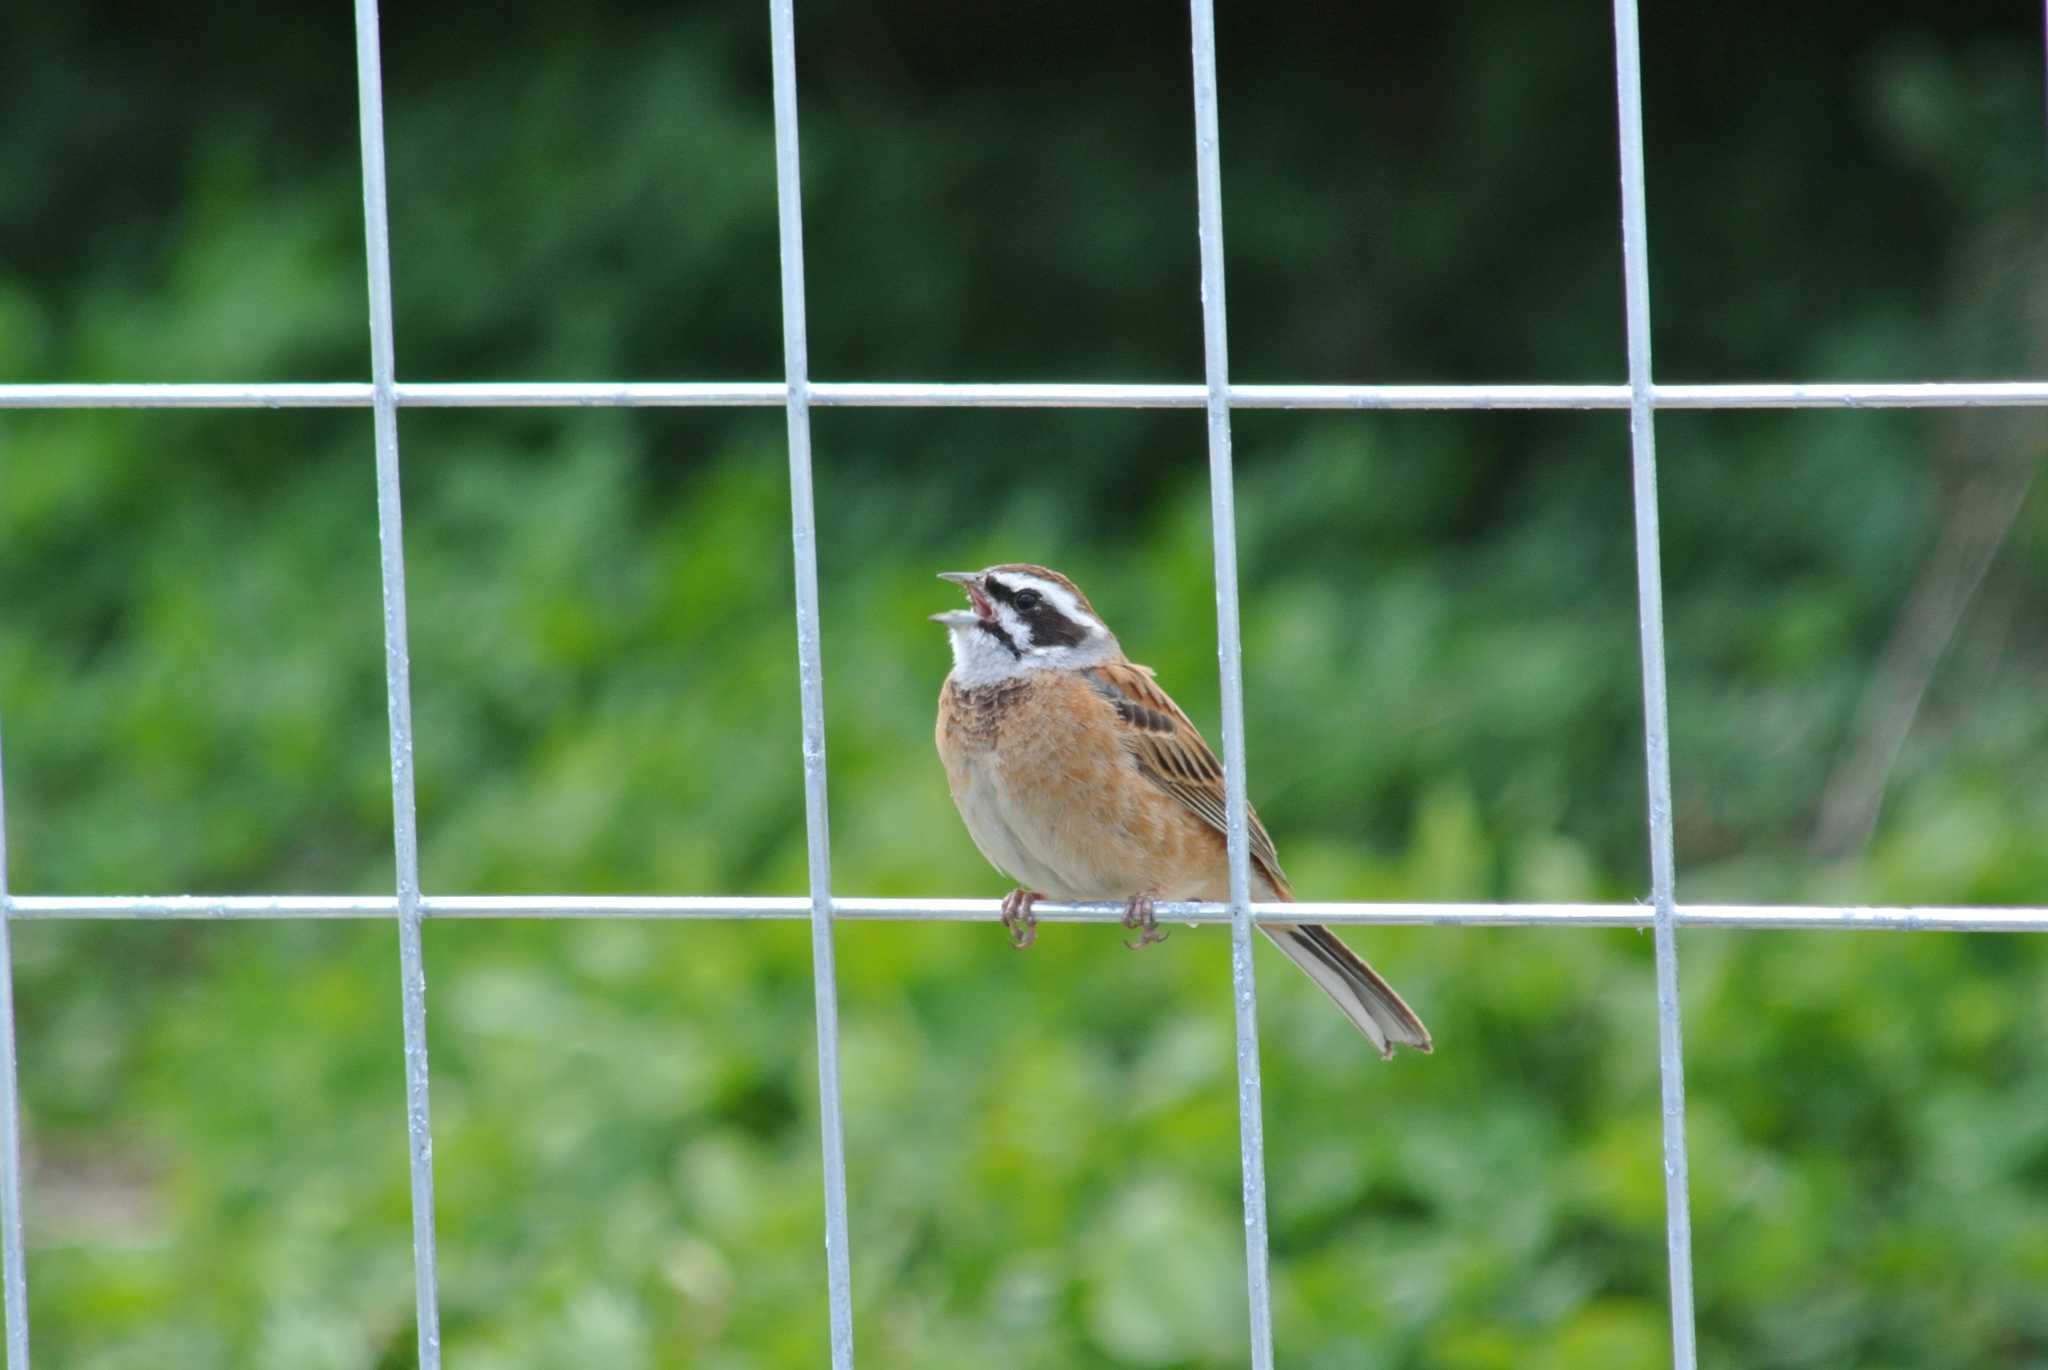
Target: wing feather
(1171, 754)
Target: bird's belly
(1108, 840)
(1012, 833)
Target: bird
(1080, 779)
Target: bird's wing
(1171, 754)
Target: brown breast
(1054, 798)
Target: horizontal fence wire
(1021, 395)
(725, 908)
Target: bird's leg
(1138, 917)
(1018, 920)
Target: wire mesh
(409, 907)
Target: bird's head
(1022, 618)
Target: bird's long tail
(1366, 999)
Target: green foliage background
(1440, 633)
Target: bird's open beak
(983, 611)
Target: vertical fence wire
(1656, 709)
(810, 676)
(1230, 653)
(397, 685)
(12, 1248)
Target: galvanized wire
(1635, 255)
(810, 677)
(728, 908)
(1251, 1127)
(1021, 395)
(397, 687)
(12, 1248)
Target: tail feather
(1366, 999)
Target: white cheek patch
(1013, 623)
(979, 658)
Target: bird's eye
(1028, 600)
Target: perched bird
(1079, 778)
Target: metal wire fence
(384, 395)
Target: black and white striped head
(1022, 618)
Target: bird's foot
(1138, 918)
(1018, 919)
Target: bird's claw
(1138, 917)
(1018, 919)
